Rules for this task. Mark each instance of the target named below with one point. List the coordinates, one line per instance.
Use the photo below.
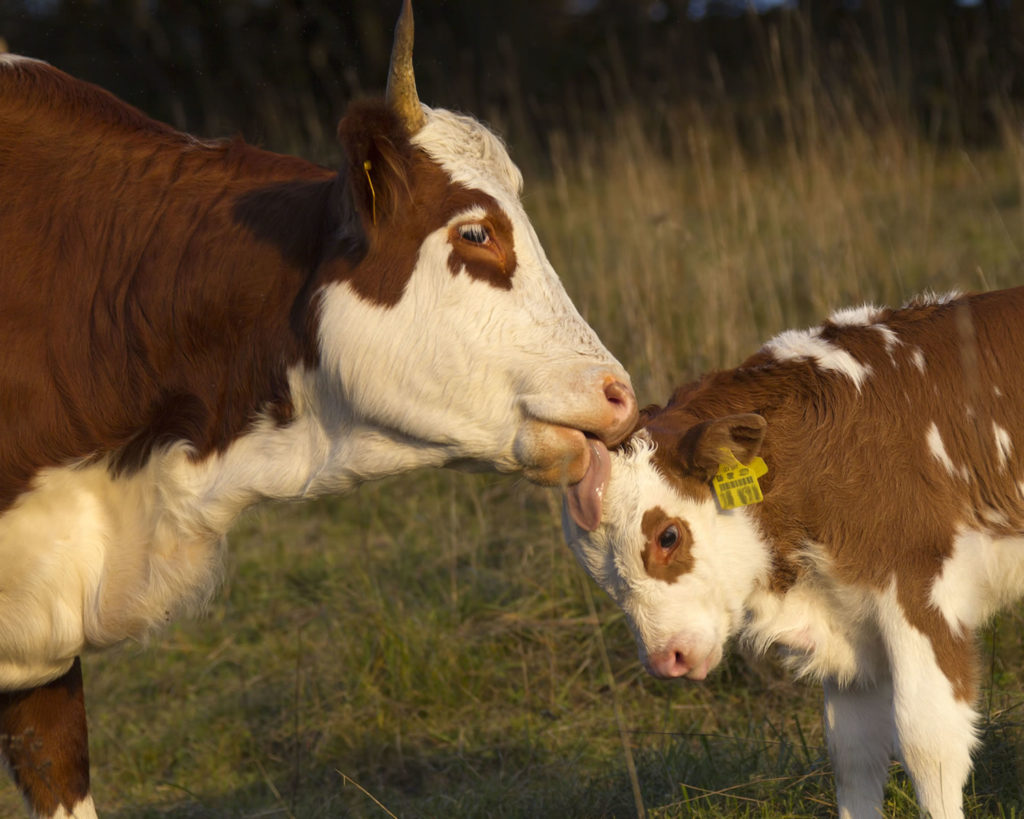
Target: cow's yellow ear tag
(735, 484)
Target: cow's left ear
(379, 156)
(711, 444)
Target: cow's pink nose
(668, 664)
(622, 412)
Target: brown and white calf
(189, 327)
(891, 526)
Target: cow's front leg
(43, 737)
(932, 704)
(861, 742)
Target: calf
(853, 494)
(188, 327)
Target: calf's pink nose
(622, 412)
(668, 664)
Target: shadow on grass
(764, 772)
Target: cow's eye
(669, 537)
(474, 232)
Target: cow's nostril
(618, 393)
(623, 411)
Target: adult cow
(188, 327)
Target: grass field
(428, 647)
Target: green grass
(428, 647)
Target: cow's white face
(483, 355)
(680, 569)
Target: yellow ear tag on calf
(736, 485)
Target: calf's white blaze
(700, 609)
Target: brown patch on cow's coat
(411, 198)
(663, 563)
(44, 738)
(850, 469)
(493, 261)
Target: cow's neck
(322, 450)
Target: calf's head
(453, 330)
(645, 525)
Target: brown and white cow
(189, 327)
(891, 526)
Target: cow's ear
(378, 157)
(721, 441)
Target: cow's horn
(401, 93)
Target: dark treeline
(282, 72)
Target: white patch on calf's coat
(1004, 446)
(822, 622)
(863, 316)
(938, 451)
(807, 344)
(889, 339)
(982, 575)
(928, 713)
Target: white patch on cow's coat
(471, 154)
(982, 575)
(117, 557)
(8, 60)
(1003, 444)
(83, 810)
(807, 344)
(938, 451)
(111, 561)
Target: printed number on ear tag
(736, 485)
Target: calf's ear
(711, 444)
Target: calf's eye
(475, 233)
(669, 537)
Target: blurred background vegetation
(277, 71)
(702, 177)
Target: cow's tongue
(584, 498)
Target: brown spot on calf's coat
(660, 563)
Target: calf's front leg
(932, 704)
(44, 740)
(861, 741)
